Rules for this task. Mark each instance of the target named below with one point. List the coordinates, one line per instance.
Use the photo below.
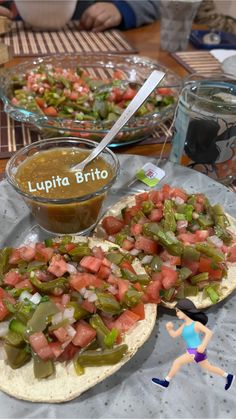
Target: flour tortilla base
(228, 284)
(65, 385)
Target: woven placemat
(25, 42)
(14, 135)
(198, 61)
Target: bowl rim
(54, 122)
(61, 201)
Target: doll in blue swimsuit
(190, 330)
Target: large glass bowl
(78, 214)
(134, 69)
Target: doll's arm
(199, 327)
(173, 333)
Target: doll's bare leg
(177, 364)
(211, 368)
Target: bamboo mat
(198, 61)
(25, 42)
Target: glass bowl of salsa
(61, 200)
(83, 94)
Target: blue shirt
(191, 337)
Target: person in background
(99, 16)
(212, 14)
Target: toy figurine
(194, 325)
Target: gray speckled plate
(129, 393)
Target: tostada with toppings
(187, 245)
(67, 317)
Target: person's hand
(4, 12)
(100, 16)
(169, 326)
(201, 349)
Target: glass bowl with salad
(82, 95)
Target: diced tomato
(74, 95)
(91, 263)
(38, 341)
(112, 225)
(56, 349)
(174, 260)
(57, 266)
(164, 91)
(129, 94)
(12, 278)
(147, 245)
(127, 245)
(27, 253)
(69, 246)
(118, 94)
(123, 285)
(84, 334)
(43, 253)
(201, 235)
(90, 307)
(137, 286)
(166, 190)
(156, 196)
(177, 192)
(139, 310)
(192, 265)
(104, 272)
(169, 277)
(14, 257)
(136, 229)
(98, 252)
(46, 353)
(153, 292)
(187, 238)
(106, 262)
(125, 321)
(61, 334)
(83, 280)
(156, 214)
(198, 207)
(208, 265)
(141, 197)
(127, 265)
(232, 254)
(68, 353)
(108, 321)
(3, 310)
(25, 283)
(40, 102)
(50, 111)
(129, 213)
(157, 276)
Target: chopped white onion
(167, 263)
(195, 215)
(115, 269)
(92, 297)
(36, 298)
(134, 252)
(71, 331)
(131, 239)
(68, 314)
(111, 239)
(82, 291)
(25, 294)
(147, 259)
(3, 328)
(57, 318)
(182, 224)
(112, 289)
(216, 241)
(178, 200)
(71, 268)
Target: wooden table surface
(147, 41)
